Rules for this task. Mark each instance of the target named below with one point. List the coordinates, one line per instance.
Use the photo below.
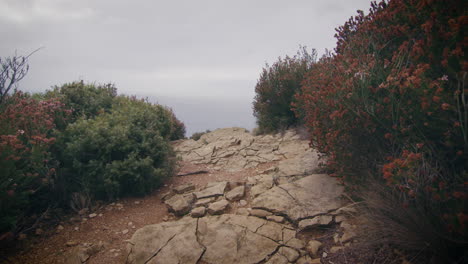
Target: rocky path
(286, 213)
(238, 199)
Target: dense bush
(276, 88)
(123, 152)
(392, 103)
(177, 126)
(86, 100)
(27, 170)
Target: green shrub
(276, 88)
(86, 100)
(177, 127)
(123, 152)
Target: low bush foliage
(78, 143)
(276, 88)
(123, 152)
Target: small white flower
(21, 131)
(444, 78)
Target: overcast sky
(202, 58)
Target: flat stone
(180, 204)
(218, 207)
(307, 197)
(316, 221)
(242, 211)
(313, 247)
(275, 218)
(212, 191)
(184, 188)
(209, 239)
(242, 202)
(236, 193)
(291, 254)
(198, 212)
(277, 259)
(124, 232)
(296, 243)
(92, 215)
(204, 201)
(307, 260)
(288, 234)
(260, 213)
(168, 242)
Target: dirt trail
(51, 247)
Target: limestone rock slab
(312, 195)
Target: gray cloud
(198, 51)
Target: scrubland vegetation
(76, 144)
(388, 110)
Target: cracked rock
(236, 193)
(218, 207)
(180, 204)
(312, 195)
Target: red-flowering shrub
(392, 102)
(26, 126)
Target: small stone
(71, 243)
(291, 254)
(184, 188)
(76, 228)
(336, 249)
(204, 201)
(242, 211)
(137, 202)
(275, 218)
(92, 215)
(324, 254)
(125, 231)
(260, 213)
(165, 218)
(242, 202)
(218, 207)
(313, 247)
(116, 254)
(100, 215)
(236, 193)
(296, 243)
(112, 250)
(60, 227)
(39, 231)
(198, 212)
(130, 223)
(305, 260)
(316, 221)
(277, 259)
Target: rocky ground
(238, 198)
